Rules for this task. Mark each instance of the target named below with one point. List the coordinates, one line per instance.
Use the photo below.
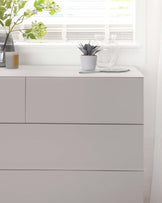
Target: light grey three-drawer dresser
(67, 137)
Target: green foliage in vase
(14, 12)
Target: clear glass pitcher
(108, 57)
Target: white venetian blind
(90, 20)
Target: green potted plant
(14, 12)
(89, 57)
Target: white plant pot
(88, 63)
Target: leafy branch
(15, 12)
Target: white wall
(70, 55)
(150, 71)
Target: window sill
(72, 45)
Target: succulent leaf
(88, 49)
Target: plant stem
(5, 43)
(16, 23)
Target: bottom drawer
(71, 187)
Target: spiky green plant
(88, 49)
(15, 12)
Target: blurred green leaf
(1, 23)
(2, 2)
(5, 17)
(28, 13)
(39, 5)
(21, 4)
(37, 31)
(51, 6)
(2, 12)
(15, 10)
(31, 36)
(8, 22)
(8, 3)
(47, 5)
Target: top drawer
(84, 100)
(12, 100)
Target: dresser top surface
(64, 71)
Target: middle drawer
(71, 147)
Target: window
(91, 20)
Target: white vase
(88, 63)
